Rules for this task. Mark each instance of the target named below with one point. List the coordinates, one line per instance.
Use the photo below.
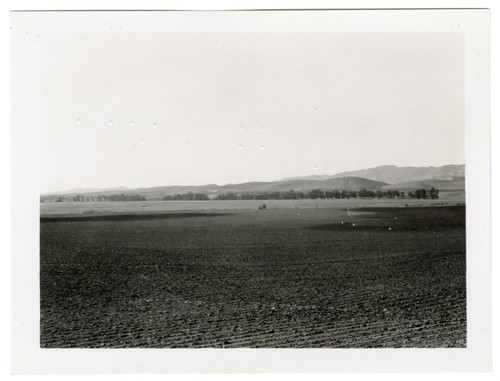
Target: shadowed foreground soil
(388, 277)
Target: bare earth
(300, 277)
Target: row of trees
(314, 194)
(186, 197)
(329, 194)
(112, 197)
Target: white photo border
(29, 358)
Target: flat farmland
(301, 277)
(110, 207)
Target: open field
(298, 277)
(109, 207)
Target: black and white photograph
(255, 180)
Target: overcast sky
(143, 109)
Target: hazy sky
(143, 109)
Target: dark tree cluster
(190, 196)
(422, 194)
(287, 195)
(124, 197)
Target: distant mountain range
(392, 174)
(449, 178)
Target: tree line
(190, 196)
(102, 197)
(314, 194)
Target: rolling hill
(392, 174)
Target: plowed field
(277, 278)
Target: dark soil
(274, 278)
(127, 217)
